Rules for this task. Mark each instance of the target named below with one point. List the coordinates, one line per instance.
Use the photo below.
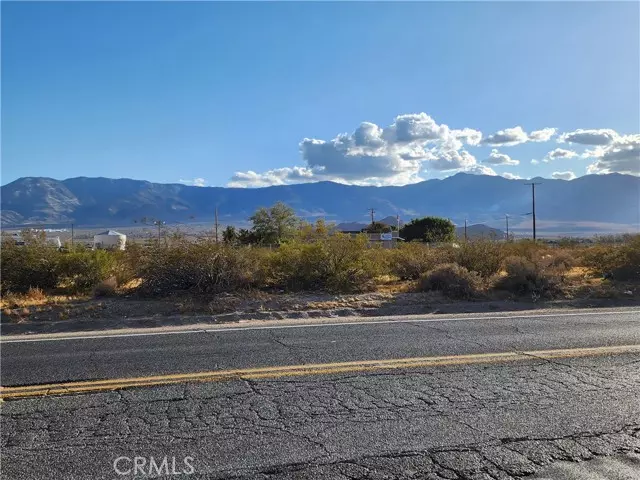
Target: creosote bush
(337, 263)
(481, 256)
(203, 266)
(620, 262)
(34, 265)
(410, 260)
(540, 277)
(316, 258)
(452, 280)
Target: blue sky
(228, 92)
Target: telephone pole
(72, 235)
(506, 217)
(465, 229)
(372, 211)
(533, 211)
(216, 220)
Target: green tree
(378, 227)
(247, 237)
(274, 224)
(229, 234)
(429, 229)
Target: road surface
(486, 397)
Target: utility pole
(465, 229)
(372, 212)
(533, 211)
(506, 217)
(72, 235)
(216, 213)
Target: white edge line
(310, 325)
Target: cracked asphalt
(477, 421)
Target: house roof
(110, 232)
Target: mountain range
(590, 203)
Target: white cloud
(543, 135)
(516, 135)
(196, 182)
(371, 155)
(507, 137)
(621, 156)
(603, 136)
(468, 135)
(414, 146)
(497, 158)
(563, 175)
(510, 176)
(560, 153)
(479, 169)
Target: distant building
(109, 239)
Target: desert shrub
(35, 294)
(561, 260)
(203, 266)
(338, 263)
(603, 258)
(524, 248)
(541, 277)
(451, 279)
(34, 265)
(629, 266)
(482, 256)
(106, 288)
(81, 269)
(410, 260)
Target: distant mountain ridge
(588, 200)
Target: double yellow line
(303, 370)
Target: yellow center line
(303, 370)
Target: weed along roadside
(315, 271)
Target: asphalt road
(470, 420)
(32, 362)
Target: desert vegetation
(313, 257)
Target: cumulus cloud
(415, 146)
(543, 135)
(510, 176)
(468, 135)
(603, 136)
(621, 156)
(497, 158)
(277, 176)
(371, 155)
(516, 135)
(560, 153)
(479, 169)
(196, 182)
(507, 137)
(563, 175)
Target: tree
(229, 234)
(429, 229)
(274, 224)
(247, 237)
(378, 227)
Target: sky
(258, 94)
